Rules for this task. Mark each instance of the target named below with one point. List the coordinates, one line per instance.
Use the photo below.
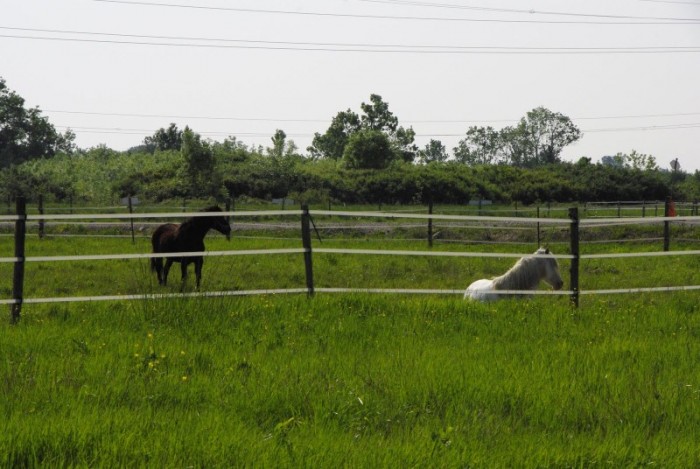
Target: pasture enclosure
(564, 230)
(218, 379)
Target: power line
(411, 47)
(636, 20)
(117, 130)
(671, 1)
(477, 50)
(273, 119)
(521, 11)
(170, 116)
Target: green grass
(348, 380)
(353, 381)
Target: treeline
(364, 157)
(230, 169)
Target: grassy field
(348, 380)
(353, 381)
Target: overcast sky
(627, 72)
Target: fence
(305, 215)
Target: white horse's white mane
(526, 273)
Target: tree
(368, 149)
(25, 134)
(376, 117)
(278, 144)
(641, 161)
(199, 174)
(281, 147)
(164, 139)
(633, 160)
(545, 134)
(402, 141)
(537, 140)
(482, 145)
(617, 161)
(433, 151)
(332, 143)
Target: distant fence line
(572, 222)
(619, 206)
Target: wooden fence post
(539, 238)
(667, 224)
(41, 212)
(574, 271)
(430, 224)
(18, 277)
(131, 211)
(306, 242)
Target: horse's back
(162, 235)
(480, 291)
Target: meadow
(349, 380)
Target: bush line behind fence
(573, 222)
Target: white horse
(524, 275)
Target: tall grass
(351, 380)
(354, 381)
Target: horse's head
(549, 268)
(217, 222)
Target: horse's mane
(198, 221)
(524, 275)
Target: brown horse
(186, 237)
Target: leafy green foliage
(332, 143)
(376, 119)
(434, 151)
(482, 145)
(164, 139)
(229, 168)
(368, 149)
(537, 140)
(24, 133)
(199, 173)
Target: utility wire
(272, 119)
(635, 20)
(671, 1)
(116, 130)
(521, 11)
(415, 47)
(478, 50)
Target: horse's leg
(198, 269)
(158, 267)
(183, 270)
(166, 269)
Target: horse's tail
(154, 243)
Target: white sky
(104, 90)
